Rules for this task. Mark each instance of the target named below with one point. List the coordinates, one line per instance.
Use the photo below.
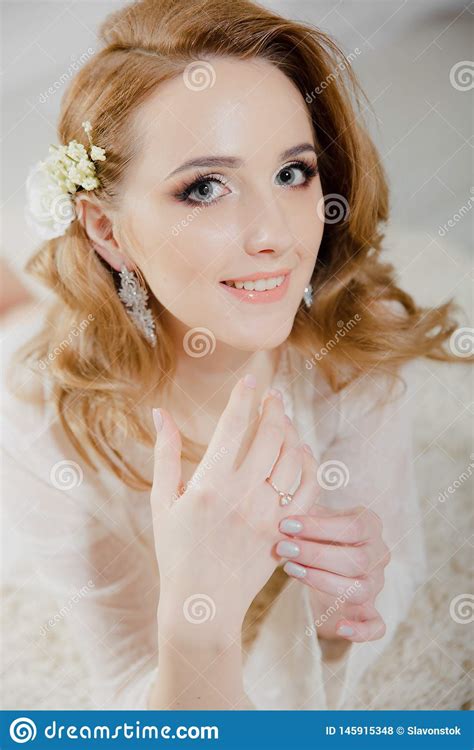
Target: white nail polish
(287, 549)
(293, 569)
(290, 526)
(345, 630)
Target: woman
(212, 231)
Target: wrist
(188, 629)
(196, 654)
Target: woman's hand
(215, 542)
(342, 556)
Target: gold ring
(285, 497)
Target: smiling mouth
(258, 285)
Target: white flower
(97, 153)
(52, 183)
(50, 209)
(76, 150)
(90, 183)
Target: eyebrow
(233, 161)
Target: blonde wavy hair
(98, 379)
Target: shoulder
(32, 434)
(24, 407)
(378, 389)
(42, 469)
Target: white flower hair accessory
(51, 185)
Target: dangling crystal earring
(135, 297)
(308, 296)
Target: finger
(361, 631)
(291, 439)
(266, 445)
(287, 470)
(167, 461)
(345, 560)
(309, 489)
(358, 612)
(233, 423)
(341, 527)
(354, 590)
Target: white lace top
(90, 538)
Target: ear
(99, 229)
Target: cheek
(182, 269)
(200, 248)
(306, 218)
(307, 229)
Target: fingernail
(307, 448)
(250, 381)
(287, 549)
(291, 526)
(345, 630)
(293, 569)
(275, 392)
(158, 419)
(288, 420)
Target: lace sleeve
(105, 588)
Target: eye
(296, 174)
(204, 190)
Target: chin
(266, 340)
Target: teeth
(261, 285)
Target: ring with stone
(285, 497)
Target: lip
(260, 275)
(258, 298)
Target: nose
(264, 226)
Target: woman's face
(251, 212)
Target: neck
(202, 384)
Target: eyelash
(310, 171)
